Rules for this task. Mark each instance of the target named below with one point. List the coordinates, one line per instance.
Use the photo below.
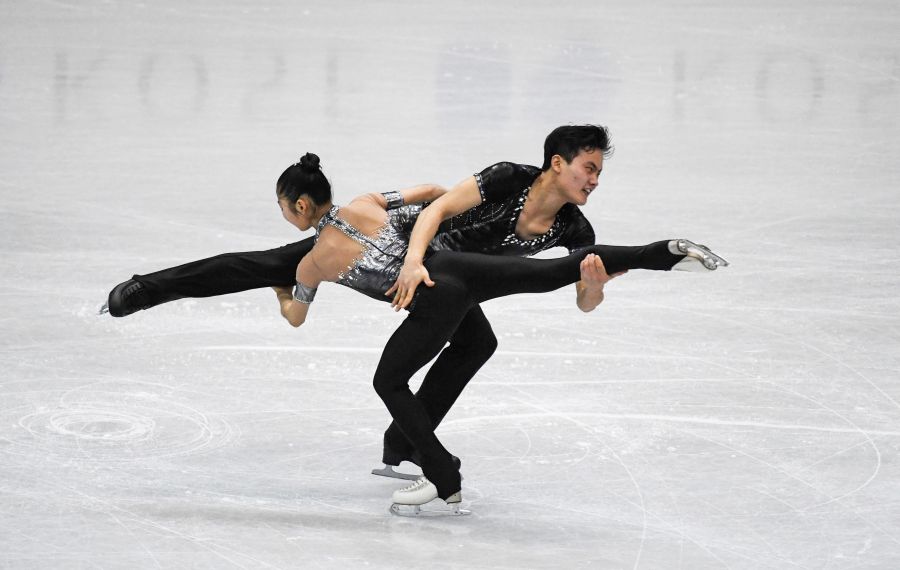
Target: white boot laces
(420, 483)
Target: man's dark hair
(567, 141)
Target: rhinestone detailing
(490, 228)
(394, 199)
(538, 243)
(377, 266)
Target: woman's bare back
(334, 251)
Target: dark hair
(304, 177)
(567, 141)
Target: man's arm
(462, 197)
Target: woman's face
(293, 217)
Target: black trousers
(462, 281)
(470, 346)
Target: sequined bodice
(491, 228)
(377, 266)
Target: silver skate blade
(104, 309)
(718, 259)
(388, 471)
(708, 260)
(413, 511)
(691, 264)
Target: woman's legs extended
(487, 277)
(229, 273)
(471, 345)
(218, 275)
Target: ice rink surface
(748, 418)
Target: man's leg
(472, 344)
(421, 336)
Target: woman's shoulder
(360, 209)
(364, 214)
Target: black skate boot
(128, 297)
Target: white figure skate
(408, 501)
(697, 257)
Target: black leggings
(462, 280)
(469, 348)
(227, 273)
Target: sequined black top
(490, 227)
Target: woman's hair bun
(309, 162)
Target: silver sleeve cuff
(480, 183)
(394, 199)
(304, 294)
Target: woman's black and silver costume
(378, 265)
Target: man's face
(579, 178)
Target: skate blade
(413, 511)
(104, 309)
(699, 258)
(690, 264)
(388, 471)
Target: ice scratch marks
(291, 348)
(225, 552)
(816, 489)
(136, 538)
(637, 487)
(114, 421)
(680, 419)
(802, 341)
(859, 430)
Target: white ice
(748, 418)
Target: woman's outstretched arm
(295, 304)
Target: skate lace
(136, 295)
(420, 482)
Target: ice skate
(393, 459)
(126, 298)
(697, 257)
(388, 471)
(408, 501)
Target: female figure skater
(362, 246)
